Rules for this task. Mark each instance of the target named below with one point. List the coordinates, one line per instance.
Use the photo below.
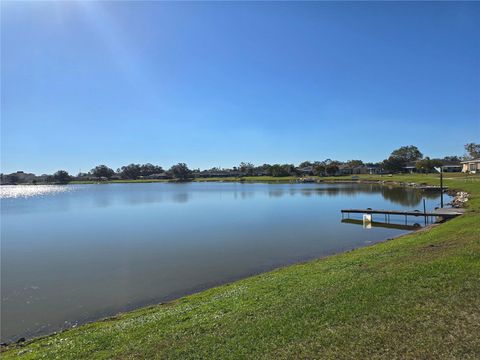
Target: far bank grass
(415, 297)
(212, 179)
(432, 179)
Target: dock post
(424, 212)
(441, 187)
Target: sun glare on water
(24, 191)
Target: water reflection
(398, 195)
(24, 191)
(408, 198)
(243, 194)
(138, 194)
(180, 197)
(411, 227)
(276, 193)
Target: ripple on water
(24, 191)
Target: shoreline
(228, 283)
(200, 288)
(391, 179)
(203, 287)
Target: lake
(75, 253)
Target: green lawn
(213, 179)
(430, 178)
(415, 297)
(249, 179)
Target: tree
(149, 169)
(354, 163)
(266, 169)
(305, 164)
(453, 158)
(319, 169)
(393, 164)
(132, 171)
(331, 169)
(399, 158)
(102, 171)
(62, 177)
(289, 169)
(181, 171)
(407, 153)
(473, 151)
(11, 179)
(427, 165)
(246, 168)
(279, 170)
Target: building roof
(471, 161)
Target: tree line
(136, 171)
(396, 162)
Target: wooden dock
(443, 213)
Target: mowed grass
(414, 297)
(212, 179)
(271, 179)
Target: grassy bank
(417, 296)
(427, 178)
(249, 179)
(212, 179)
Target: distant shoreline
(272, 179)
(398, 179)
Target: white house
(471, 166)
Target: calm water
(75, 253)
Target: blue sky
(214, 84)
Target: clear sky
(214, 84)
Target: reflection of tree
(431, 194)
(396, 194)
(335, 191)
(308, 192)
(181, 197)
(243, 194)
(247, 194)
(402, 196)
(276, 193)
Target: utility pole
(441, 186)
(440, 170)
(424, 212)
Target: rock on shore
(460, 199)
